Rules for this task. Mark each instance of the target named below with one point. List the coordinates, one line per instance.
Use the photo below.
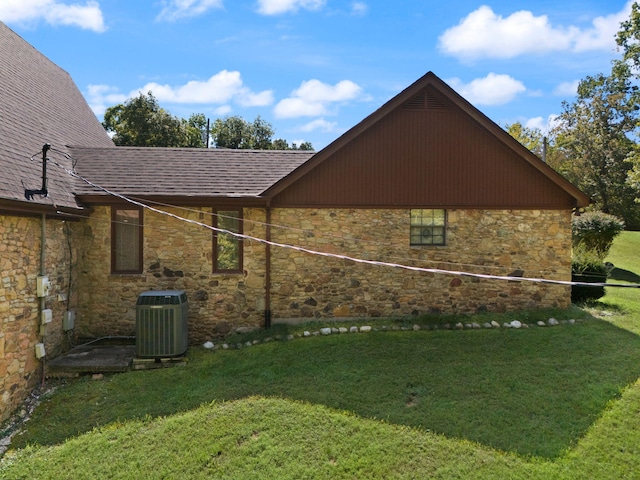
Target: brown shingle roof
(39, 103)
(183, 172)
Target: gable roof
(182, 174)
(39, 104)
(427, 146)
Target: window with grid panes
(428, 226)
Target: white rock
(487, 325)
(335, 330)
(208, 345)
(475, 326)
(416, 327)
(495, 324)
(343, 330)
(516, 324)
(552, 322)
(541, 323)
(248, 344)
(290, 337)
(353, 330)
(571, 321)
(506, 325)
(225, 346)
(365, 328)
(459, 326)
(325, 331)
(306, 333)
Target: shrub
(587, 267)
(595, 231)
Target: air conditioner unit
(161, 324)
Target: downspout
(267, 275)
(42, 299)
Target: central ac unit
(161, 324)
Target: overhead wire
(379, 263)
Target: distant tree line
(141, 122)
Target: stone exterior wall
(20, 330)
(529, 243)
(177, 256)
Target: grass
(560, 402)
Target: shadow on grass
(533, 391)
(624, 275)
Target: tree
(196, 130)
(235, 132)
(141, 122)
(596, 132)
(532, 138)
(628, 39)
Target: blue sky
(315, 68)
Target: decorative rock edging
(326, 331)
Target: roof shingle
(39, 103)
(184, 172)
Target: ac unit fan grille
(161, 328)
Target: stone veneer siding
(20, 371)
(529, 243)
(177, 256)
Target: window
(428, 226)
(126, 240)
(227, 248)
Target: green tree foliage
(141, 122)
(595, 232)
(196, 130)
(237, 133)
(628, 39)
(595, 133)
(532, 138)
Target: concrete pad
(93, 359)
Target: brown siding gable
(426, 146)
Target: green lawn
(559, 402)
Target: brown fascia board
(19, 208)
(178, 201)
(431, 79)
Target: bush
(587, 267)
(594, 232)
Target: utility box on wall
(161, 324)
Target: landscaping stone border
(326, 331)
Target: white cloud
(359, 8)
(176, 9)
(87, 16)
(567, 89)
(485, 34)
(494, 89)
(222, 87)
(319, 124)
(542, 124)
(277, 7)
(101, 97)
(222, 110)
(314, 97)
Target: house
(258, 237)
(39, 104)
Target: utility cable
(339, 256)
